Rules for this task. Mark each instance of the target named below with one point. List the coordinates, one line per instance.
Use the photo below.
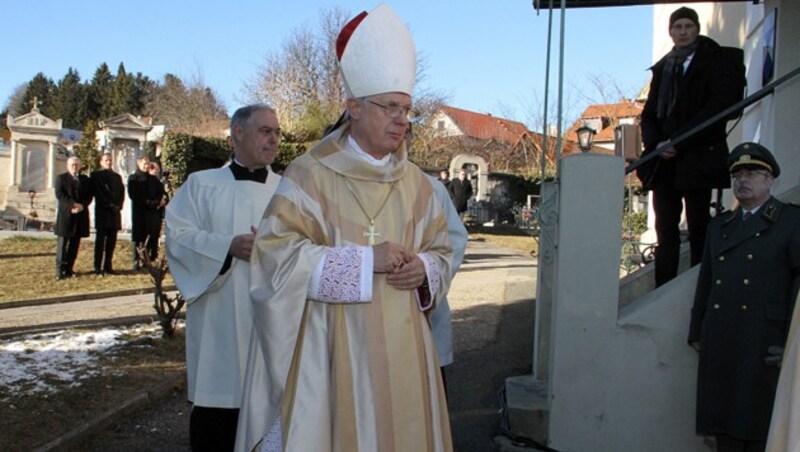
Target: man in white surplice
(209, 237)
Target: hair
(242, 116)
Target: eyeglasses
(748, 174)
(393, 110)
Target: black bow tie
(242, 173)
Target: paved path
(126, 309)
(492, 303)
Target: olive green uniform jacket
(748, 281)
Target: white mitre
(376, 54)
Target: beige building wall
(5, 175)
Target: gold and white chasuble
(344, 374)
(784, 429)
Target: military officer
(749, 277)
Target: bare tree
(606, 90)
(191, 108)
(301, 80)
(15, 102)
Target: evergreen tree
(86, 148)
(69, 103)
(99, 95)
(42, 89)
(143, 89)
(123, 93)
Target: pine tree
(143, 89)
(99, 95)
(122, 93)
(42, 89)
(86, 148)
(69, 103)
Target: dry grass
(139, 365)
(28, 266)
(507, 237)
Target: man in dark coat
(444, 178)
(147, 195)
(74, 194)
(749, 279)
(460, 191)
(109, 194)
(692, 83)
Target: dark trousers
(444, 379)
(150, 241)
(66, 253)
(727, 444)
(213, 429)
(151, 246)
(104, 243)
(668, 205)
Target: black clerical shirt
(242, 173)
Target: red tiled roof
(623, 109)
(614, 112)
(486, 127)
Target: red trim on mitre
(347, 31)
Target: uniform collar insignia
(770, 212)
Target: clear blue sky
(487, 56)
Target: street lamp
(585, 138)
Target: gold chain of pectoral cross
(371, 234)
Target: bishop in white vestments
(352, 254)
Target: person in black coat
(109, 195)
(460, 191)
(692, 83)
(74, 194)
(444, 178)
(748, 281)
(147, 197)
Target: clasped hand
(405, 270)
(242, 245)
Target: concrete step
(527, 407)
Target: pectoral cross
(371, 233)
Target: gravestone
(34, 162)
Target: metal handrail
(735, 108)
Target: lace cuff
(343, 276)
(427, 292)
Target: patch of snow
(37, 362)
